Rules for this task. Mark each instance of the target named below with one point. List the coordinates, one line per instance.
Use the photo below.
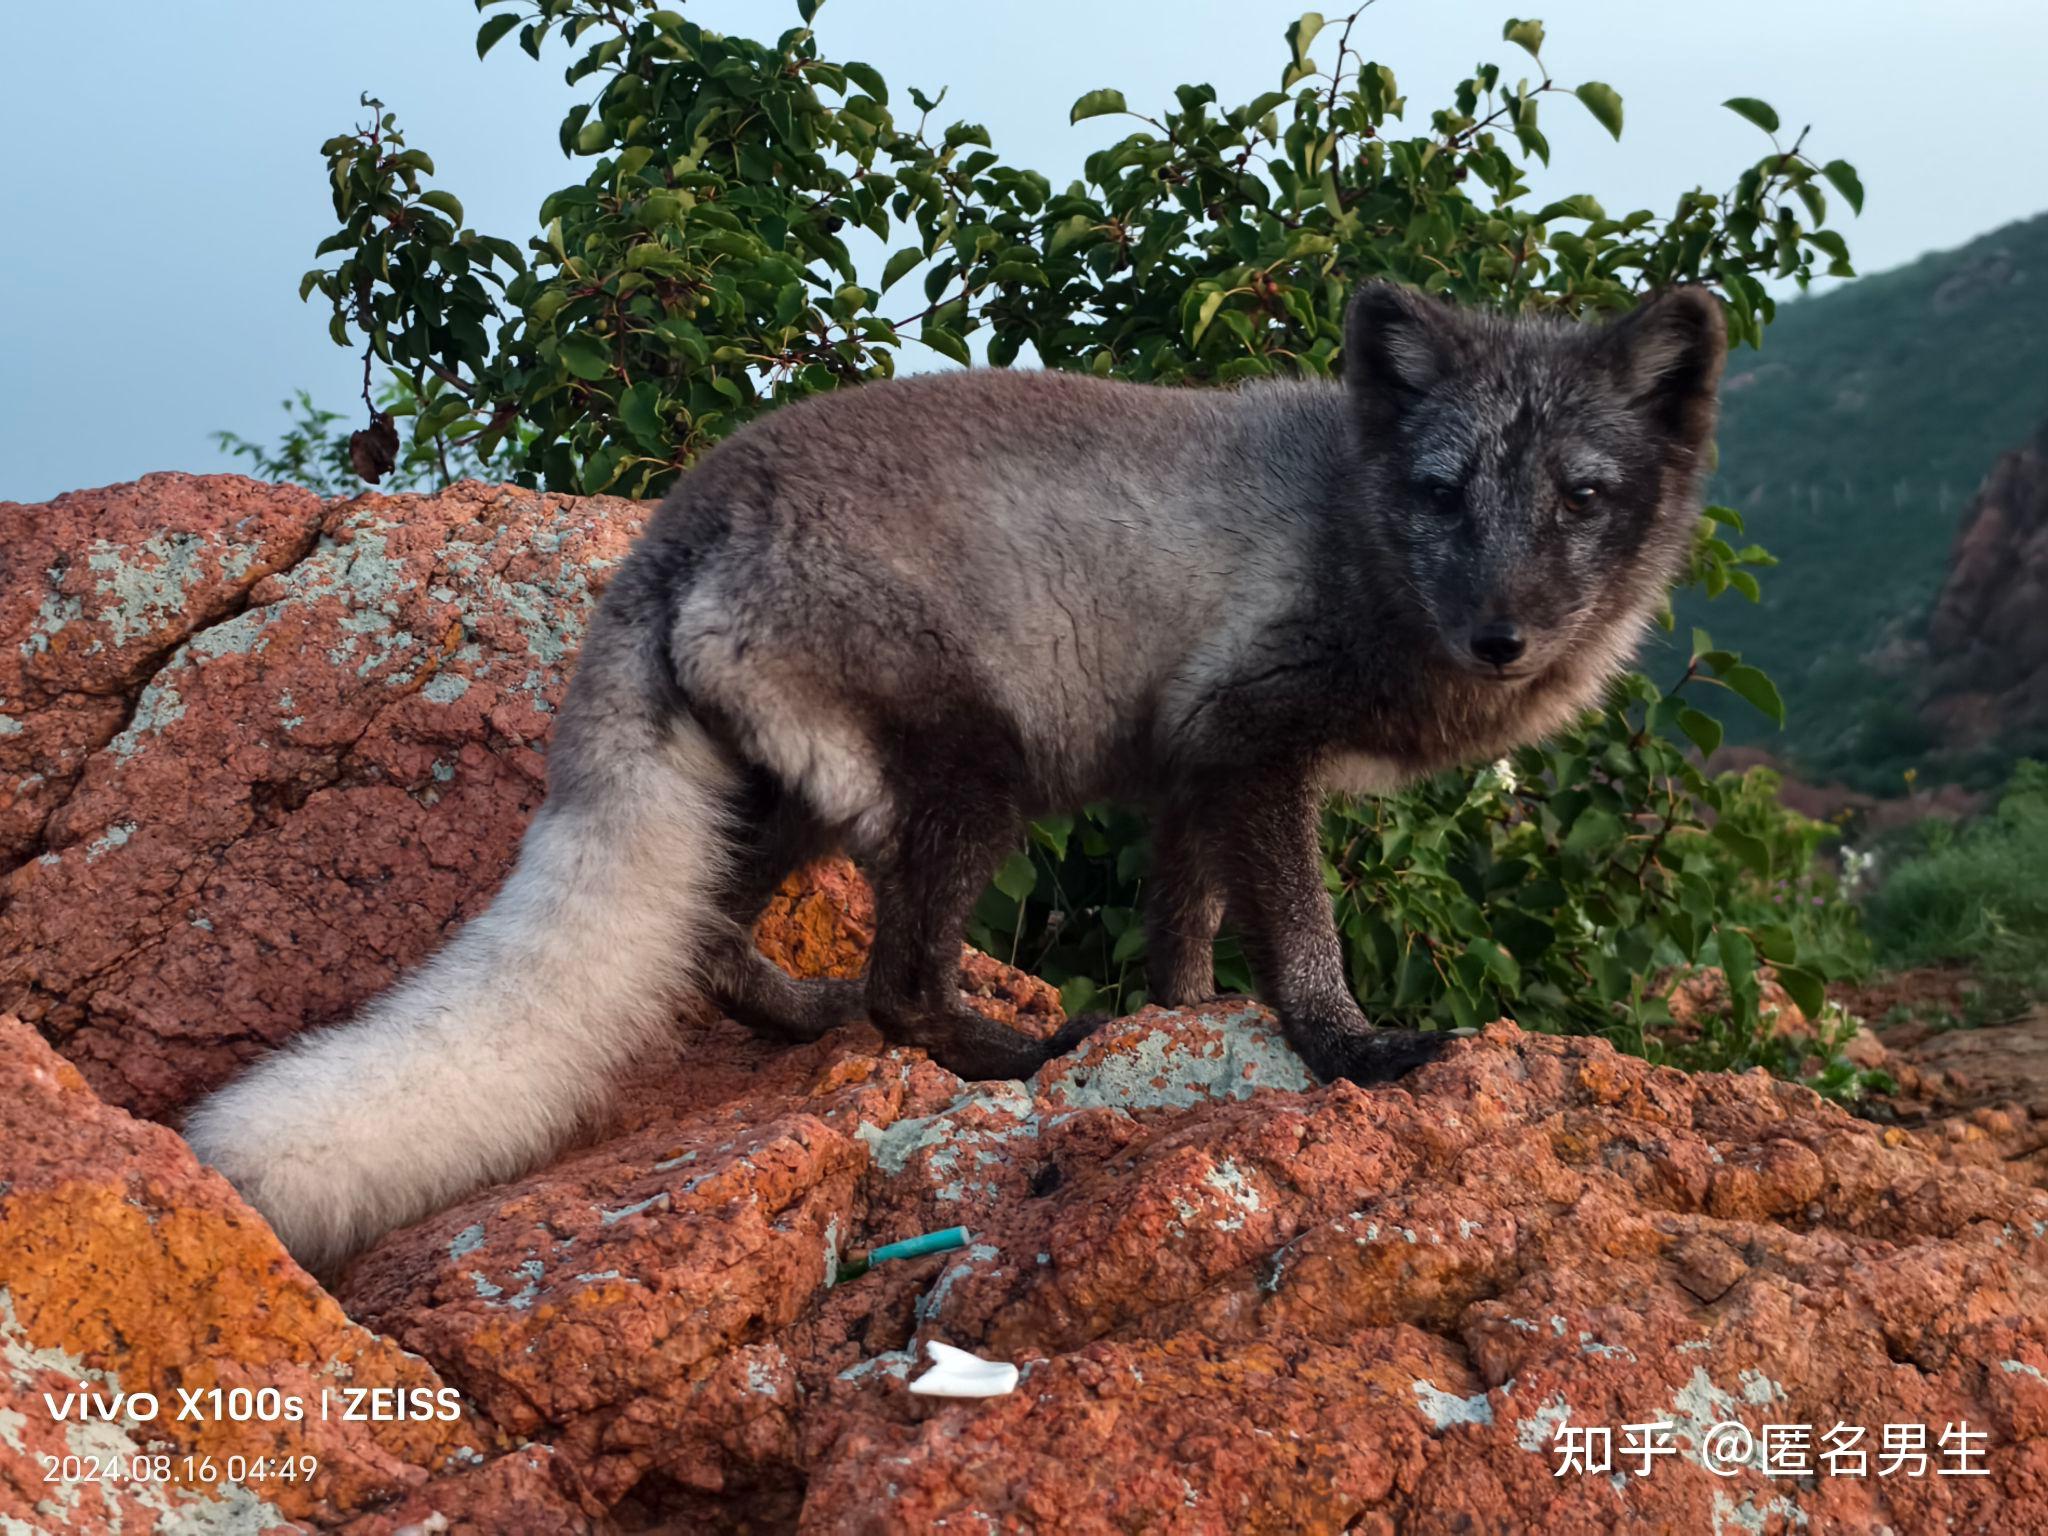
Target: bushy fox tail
(486, 1059)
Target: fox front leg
(1269, 855)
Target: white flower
(1496, 778)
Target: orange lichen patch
(1008, 995)
(126, 1262)
(819, 922)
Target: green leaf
(1804, 988)
(1018, 877)
(1301, 36)
(899, 263)
(1097, 104)
(1594, 830)
(1578, 207)
(1758, 112)
(1842, 177)
(584, 355)
(446, 202)
(945, 343)
(1604, 102)
(1054, 832)
(1755, 856)
(1753, 685)
(1498, 962)
(637, 411)
(1738, 959)
(488, 34)
(869, 79)
(1527, 35)
(1702, 727)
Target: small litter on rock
(956, 1373)
(859, 1261)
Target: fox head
(1535, 483)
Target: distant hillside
(1851, 445)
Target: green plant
(701, 271)
(1974, 895)
(311, 453)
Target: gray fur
(910, 615)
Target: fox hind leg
(775, 835)
(951, 835)
(1183, 909)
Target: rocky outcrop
(263, 753)
(1987, 643)
(130, 1275)
(1241, 1302)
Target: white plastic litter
(956, 1373)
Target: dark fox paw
(1371, 1054)
(979, 1049)
(1073, 1032)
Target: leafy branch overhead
(755, 222)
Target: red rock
(96, 589)
(311, 789)
(822, 920)
(605, 1304)
(127, 1267)
(1976, 1097)
(1244, 1307)
(530, 1491)
(326, 765)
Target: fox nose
(1498, 644)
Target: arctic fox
(901, 619)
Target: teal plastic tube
(857, 1263)
(918, 1247)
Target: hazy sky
(162, 190)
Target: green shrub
(701, 271)
(1973, 896)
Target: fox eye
(1443, 498)
(1580, 498)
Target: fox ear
(1667, 352)
(1397, 344)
